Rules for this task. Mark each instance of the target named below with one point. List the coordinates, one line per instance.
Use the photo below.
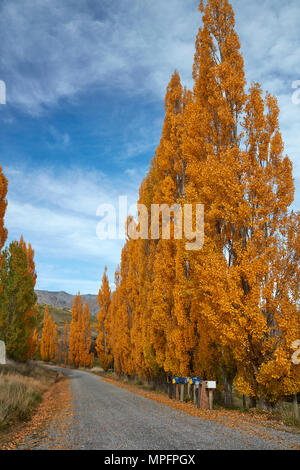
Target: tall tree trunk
(228, 382)
(244, 402)
(252, 402)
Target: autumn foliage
(103, 324)
(49, 340)
(80, 335)
(19, 314)
(229, 311)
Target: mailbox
(179, 380)
(211, 384)
(194, 380)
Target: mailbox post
(199, 396)
(181, 392)
(211, 386)
(195, 381)
(2, 353)
(194, 394)
(179, 381)
(205, 396)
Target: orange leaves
(30, 258)
(86, 359)
(229, 309)
(104, 323)
(49, 340)
(74, 343)
(19, 315)
(65, 344)
(80, 335)
(34, 345)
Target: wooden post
(182, 392)
(296, 407)
(204, 398)
(177, 392)
(195, 394)
(189, 390)
(199, 388)
(2, 353)
(211, 399)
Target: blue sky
(85, 88)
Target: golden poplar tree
(34, 345)
(229, 311)
(114, 321)
(45, 335)
(246, 186)
(65, 344)
(30, 258)
(54, 342)
(140, 257)
(49, 340)
(102, 342)
(74, 342)
(86, 358)
(169, 188)
(210, 143)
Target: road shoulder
(260, 424)
(57, 402)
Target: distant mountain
(65, 300)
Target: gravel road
(107, 417)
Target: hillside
(63, 300)
(61, 315)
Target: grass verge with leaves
(21, 389)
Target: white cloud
(56, 212)
(58, 139)
(53, 49)
(270, 39)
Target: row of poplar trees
(229, 311)
(73, 346)
(19, 313)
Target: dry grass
(21, 390)
(286, 411)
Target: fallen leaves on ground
(255, 423)
(56, 401)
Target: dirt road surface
(103, 416)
